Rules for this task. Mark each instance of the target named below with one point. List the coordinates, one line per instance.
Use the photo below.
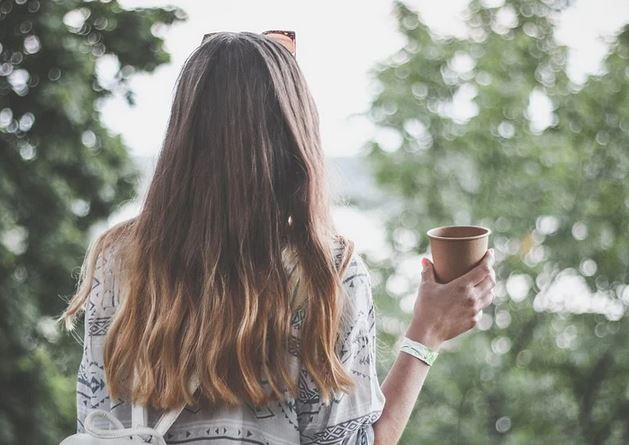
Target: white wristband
(418, 350)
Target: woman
(233, 272)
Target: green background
(556, 198)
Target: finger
(478, 272)
(478, 316)
(486, 284)
(428, 272)
(486, 299)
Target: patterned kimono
(304, 420)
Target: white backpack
(126, 436)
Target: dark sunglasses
(286, 38)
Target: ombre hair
(239, 191)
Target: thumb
(428, 273)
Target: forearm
(401, 388)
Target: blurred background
(512, 114)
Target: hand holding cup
(444, 311)
(451, 302)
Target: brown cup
(457, 249)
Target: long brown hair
(239, 186)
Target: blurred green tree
(490, 130)
(61, 172)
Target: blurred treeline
(549, 363)
(555, 195)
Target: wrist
(421, 333)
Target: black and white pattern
(347, 420)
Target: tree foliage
(61, 172)
(467, 144)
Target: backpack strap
(169, 417)
(139, 412)
(139, 415)
(118, 432)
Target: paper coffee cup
(457, 249)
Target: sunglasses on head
(286, 38)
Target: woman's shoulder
(104, 297)
(356, 280)
(343, 250)
(348, 259)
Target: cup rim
(430, 233)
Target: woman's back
(239, 188)
(304, 419)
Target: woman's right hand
(443, 311)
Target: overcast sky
(337, 42)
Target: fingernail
(491, 251)
(424, 261)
